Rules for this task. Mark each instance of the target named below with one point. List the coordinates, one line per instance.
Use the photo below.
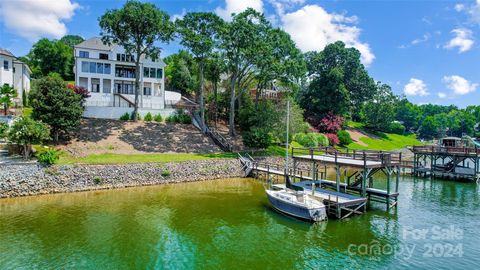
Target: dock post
(338, 172)
(389, 173)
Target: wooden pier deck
(348, 196)
(447, 162)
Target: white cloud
(474, 12)
(424, 38)
(463, 40)
(33, 19)
(415, 87)
(441, 95)
(179, 16)
(459, 7)
(459, 85)
(282, 5)
(237, 6)
(312, 28)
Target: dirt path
(356, 134)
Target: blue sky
(426, 49)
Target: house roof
(94, 43)
(6, 52)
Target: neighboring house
(109, 75)
(14, 73)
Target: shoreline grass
(111, 158)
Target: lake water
(228, 224)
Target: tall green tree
(7, 94)
(214, 69)
(71, 40)
(239, 42)
(408, 113)
(380, 112)
(199, 32)
(180, 72)
(48, 56)
(56, 105)
(277, 59)
(351, 81)
(136, 27)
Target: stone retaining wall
(25, 180)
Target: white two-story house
(108, 73)
(14, 73)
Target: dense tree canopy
(199, 32)
(136, 27)
(47, 56)
(380, 112)
(55, 104)
(339, 82)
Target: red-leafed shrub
(332, 139)
(330, 123)
(80, 90)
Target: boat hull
(296, 210)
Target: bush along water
(48, 157)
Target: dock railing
(446, 149)
(386, 158)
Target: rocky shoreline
(34, 179)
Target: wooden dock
(447, 162)
(342, 198)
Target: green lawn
(387, 143)
(109, 158)
(27, 111)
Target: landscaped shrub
(49, 156)
(344, 137)
(307, 139)
(321, 139)
(125, 117)
(332, 139)
(3, 130)
(396, 128)
(158, 118)
(138, 116)
(26, 131)
(148, 117)
(257, 138)
(172, 118)
(330, 123)
(183, 117)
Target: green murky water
(227, 224)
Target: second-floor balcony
(124, 72)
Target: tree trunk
(231, 120)
(26, 151)
(257, 95)
(215, 93)
(137, 84)
(55, 136)
(5, 109)
(202, 105)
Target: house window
(118, 57)
(159, 73)
(85, 66)
(5, 65)
(147, 91)
(123, 57)
(84, 54)
(93, 67)
(146, 72)
(107, 69)
(103, 56)
(152, 73)
(100, 68)
(95, 86)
